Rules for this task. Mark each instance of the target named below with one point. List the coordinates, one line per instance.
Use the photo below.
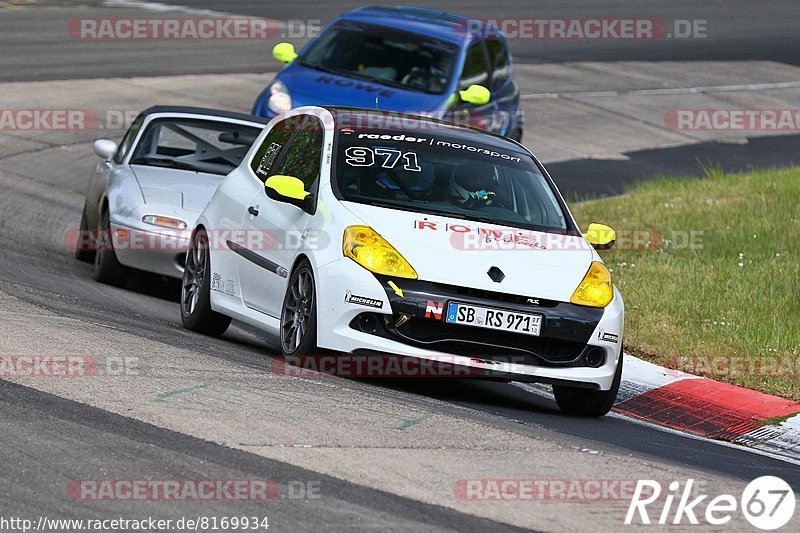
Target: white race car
(348, 230)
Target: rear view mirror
(236, 137)
(288, 189)
(105, 149)
(475, 94)
(600, 236)
(284, 52)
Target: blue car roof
(437, 24)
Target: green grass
(724, 302)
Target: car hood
(308, 86)
(461, 252)
(180, 189)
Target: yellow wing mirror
(290, 190)
(475, 94)
(600, 236)
(287, 187)
(284, 52)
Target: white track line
(667, 91)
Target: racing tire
(588, 402)
(84, 247)
(107, 269)
(196, 312)
(298, 330)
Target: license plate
(497, 319)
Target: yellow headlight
(370, 250)
(595, 290)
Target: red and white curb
(710, 409)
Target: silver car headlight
(279, 99)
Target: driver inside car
(430, 78)
(471, 185)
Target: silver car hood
(176, 188)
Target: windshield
(387, 56)
(210, 146)
(436, 174)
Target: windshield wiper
(359, 75)
(164, 162)
(391, 83)
(384, 81)
(323, 68)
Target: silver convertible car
(146, 193)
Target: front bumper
(578, 346)
(158, 251)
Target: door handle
(253, 211)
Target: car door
(274, 230)
(475, 71)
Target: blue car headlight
(279, 100)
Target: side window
(274, 143)
(501, 66)
(303, 158)
(475, 71)
(127, 141)
(530, 204)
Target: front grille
(480, 294)
(476, 342)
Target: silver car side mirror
(105, 149)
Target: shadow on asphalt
(161, 287)
(587, 178)
(145, 283)
(487, 394)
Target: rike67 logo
(767, 503)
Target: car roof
(437, 24)
(191, 110)
(370, 119)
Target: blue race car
(402, 59)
